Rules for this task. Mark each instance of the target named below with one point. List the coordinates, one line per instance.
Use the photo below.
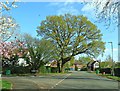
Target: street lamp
(112, 72)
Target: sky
(29, 15)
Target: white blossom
(7, 27)
(6, 5)
(7, 2)
(9, 20)
(14, 6)
(7, 24)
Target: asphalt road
(74, 80)
(84, 80)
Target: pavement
(74, 80)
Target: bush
(54, 70)
(117, 71)
(106, 70)
(43, 69)
(83, 69)
(16, 70)
(20, 70)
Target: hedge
(84, 69)
(106, 70)
(117, 71)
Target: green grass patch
(6, 85)
(107, 76)
(110, 76)
(114, 78)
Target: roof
(91, 63)
(95, 62)
(52, 63)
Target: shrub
(20, 70)
(43, 69)
(117, 71)
(54, 70)
(106, 70)
(83, 69)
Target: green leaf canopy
(72, 35)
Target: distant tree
(107, 63)
(72, 35)
(84, 60)
(39, 51)
(72, 61)
(117, 65)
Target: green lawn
(5, 84)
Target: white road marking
(61, 81)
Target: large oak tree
(72, 35)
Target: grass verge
(110, 76)
(6, 85)
(114, 78)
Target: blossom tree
(7, 23)
(6, 6)
(7, 26)
(11, 52)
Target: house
(52, 63)
(73, 67)
(22, 62)
(52, 66)
(93, 65)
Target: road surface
(74, 80)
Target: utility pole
(118, 37)
(118, 32)
(112, 71)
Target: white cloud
(68, 2)
(65, 10)
(88, 11)
(87, 7)
(65, 7)
(54, 3)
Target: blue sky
(29, 15)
